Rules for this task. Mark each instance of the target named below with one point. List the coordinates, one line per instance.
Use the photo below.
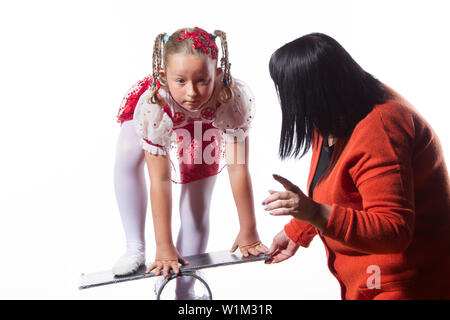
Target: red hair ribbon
(202, 39)
(156, 84)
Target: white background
(64, 67)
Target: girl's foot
(128, 263)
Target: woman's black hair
(320, 87)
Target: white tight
(195, 199)
(131, 195)
(130, 187)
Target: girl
(191, 103)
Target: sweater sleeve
(300, 232)
(382, 151)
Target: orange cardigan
(390, 195)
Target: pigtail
(226, 94)
(157, 62)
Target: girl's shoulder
(238, 111)
(242, 93)
(138, 88)
(153, 124)
(131, 98)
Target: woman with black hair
(379, 191)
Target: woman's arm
(385, 224)
(241, 185)
(167, 256)
(382, 172)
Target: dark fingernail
(263, 203)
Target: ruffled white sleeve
(153, 125)
(235, 117)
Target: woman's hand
(167, 257)
(248, 242)
(295, 203)
(282, 248)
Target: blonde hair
(163, 49)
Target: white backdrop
(64, 67)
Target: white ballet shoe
(128, 264)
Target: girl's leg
(131, 195)
(195, 199)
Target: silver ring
(172, 276)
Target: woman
(379, 191)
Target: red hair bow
(202, 39)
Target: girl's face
(190, 79)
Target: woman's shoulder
(393, 125)
(400, 116)
(396, 116)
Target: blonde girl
(193, 107)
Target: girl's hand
(167, 257)
(248, 242)
(292, 202)
(282, 248)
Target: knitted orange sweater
(388, 236)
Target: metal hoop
(183, 274)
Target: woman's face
(190, 79)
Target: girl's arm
(167, 256)
(241, 185)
